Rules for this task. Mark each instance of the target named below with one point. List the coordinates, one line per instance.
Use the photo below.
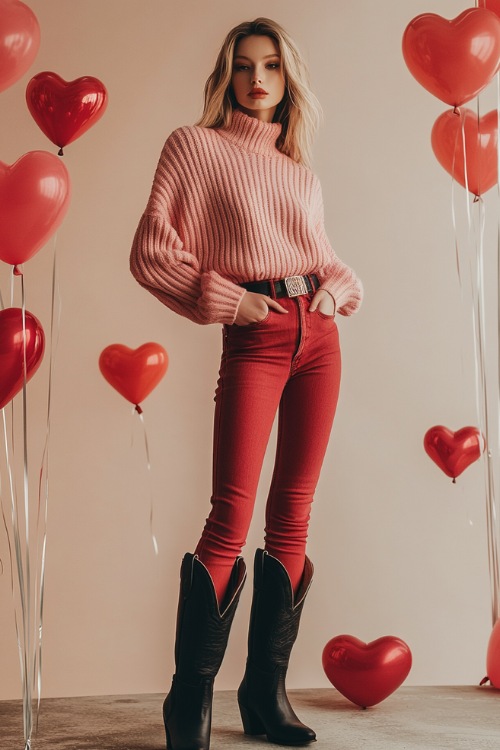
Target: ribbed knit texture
(226, 207)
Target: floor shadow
(330, 704)
(235, 738)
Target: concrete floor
(413, 718)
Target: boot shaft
(276, 612)
(203, 628)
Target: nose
(256, 78)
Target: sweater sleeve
(159, 260)
(336, 277)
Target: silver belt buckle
(295, 285)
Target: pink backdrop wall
(398, 549)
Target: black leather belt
(292, 286)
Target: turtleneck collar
(252, 134)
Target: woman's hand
(324, 302)
(254, 307)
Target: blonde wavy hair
(299, 112)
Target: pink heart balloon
(366, 673)
(19, 41)
(134, 372)
(454, 132)
(65, 110)
(12, 351)
(456, 59)
(34, 198)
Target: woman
(233, 233)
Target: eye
(273, 66)
(240, 67)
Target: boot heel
(251, 722)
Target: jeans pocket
(323, 315)
(256, 323)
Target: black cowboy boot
(274, 624)
(201, 639)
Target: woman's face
(257, 65)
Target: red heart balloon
(366, 673)
(34, 198)
(12, 351)
(493, 656)
(134, 372)
(19, 40)
(456, 59)
(481, 144)
(65, 110)
(452, 451)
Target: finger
(275, 305)
(313, 305)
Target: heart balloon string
(43, 484)
(27, 542)
(488, 408)
(463, 255)
(28, 648)
(11, 291)
(492, 519)
(19, 592)
(471, 275)
(13, 517)
(454, 221)
(20, 519)
(489, 417)
(472, 262)
(11, 288)
(137, 410)
(466, 171)
(21, 531)
(4, 519)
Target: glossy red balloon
(493, 656)
(65, 110)
(481, 147)
(12, 351)
(134, 372)
(456, 59)
(493, 5)
(19, 41)
(452, 451)
(366, 673)
(34, 198)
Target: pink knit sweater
(226, 207)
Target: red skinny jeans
(291, 361)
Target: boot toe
(294, 736)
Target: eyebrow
(242, 57)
